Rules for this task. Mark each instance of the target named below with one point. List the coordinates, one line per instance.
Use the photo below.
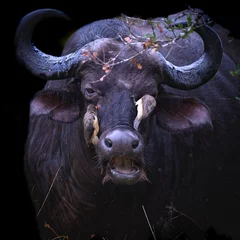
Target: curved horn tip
(38, 63)
(202, 70)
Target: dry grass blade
(45, 199)
(154, 236)
(175, 210)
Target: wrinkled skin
(185, 150)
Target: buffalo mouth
(124, 170)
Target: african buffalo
(135, 131)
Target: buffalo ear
(177, 114)
(55, 108)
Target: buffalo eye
(90, 93)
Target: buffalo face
(122, 121)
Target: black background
(19, 86)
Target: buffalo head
(113, 82)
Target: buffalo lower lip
(134, 173)
(124, 170)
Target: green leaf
(189, 20)
(168, 21)
(148, 35)
(236, 72)
(180, 26)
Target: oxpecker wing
(91, 127)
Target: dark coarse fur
(184, 168)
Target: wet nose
(121, 141)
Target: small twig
(57, 236)
(175, 210)
(60, 237)
(127, 59)
(169, 52)
(150, 41)
(190, 219)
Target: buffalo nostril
(108, 142)
(135, 144)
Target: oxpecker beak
(145, 106)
